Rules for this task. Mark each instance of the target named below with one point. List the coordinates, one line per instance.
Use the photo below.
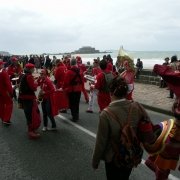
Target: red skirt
(62, 99)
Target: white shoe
(44, 129)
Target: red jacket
(83, 69)
(109, 66)
(59, 74)
(14, 69)
(95, 71)
(5, 83)
(68, 78)
(47, 86)
(32, 86)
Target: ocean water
(149, 58)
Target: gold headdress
(123, 56)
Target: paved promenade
(150, 96)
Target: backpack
(107, 79)
(128, 152)
(73, 82)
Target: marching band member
(27, 98)
(104, 98)
(48, 103)
(14, 70)
(6, 104)
(59, 75)
(84, 71)
(73, 81)
(93, 92)
(128, 74)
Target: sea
(149, 58)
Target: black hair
(173, 59)
(118, 87)
(103, 64)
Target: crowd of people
(111, 87)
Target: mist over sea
(149, 58)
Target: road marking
(171, 177)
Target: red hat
(43, 71)
(2, 63)
(14, 59)
(29, 65)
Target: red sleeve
(7, 82)
(66, 80)
(30, 81)
(50, 88)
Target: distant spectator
(166, 63)
(139, 66)
(173, 65)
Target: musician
(14, 70)
(93, 92)
(6, 94)
(48, 104)
(84, 71)
(27, 98)
(67, 62)
(73, 81)
(128, 74)
(104, 98)
(59, 75)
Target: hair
(173, 58)
(73, 61)
(118, 87)
(103, 64)
(29, 70)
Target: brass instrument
(40, 99)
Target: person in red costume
(73, 82)
(84, 71)
(48, 104)
(109, 64)
(128, 74)
(59, 75)
(14, 70)
(6, 104)
(104, 98)
(93, 92)
(27, 99)
(167, 159)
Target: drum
(90, 78)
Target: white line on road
(94, 135)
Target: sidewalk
(150, 96)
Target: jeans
(47, 112)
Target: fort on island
(86, 50)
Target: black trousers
(115, 173)
(74, 99)
(27, 106)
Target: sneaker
(89, 111)
(52, 129)
(87, 101)
(8, 123)
(44, 129)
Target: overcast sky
(54, 26)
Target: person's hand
(42, 93)
(15, 74)
(96, 170)
(59, 89)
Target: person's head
(2, 64)
(29, 68)
(43, 73)
(79, 60)
(73, 61)
(95, 63)
(103, 64)
(118, 87)
(14, 61)
(167, 59)
(58, 61)
(173, 58)
(178, 66)
(138, 60)
(126, 65)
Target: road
(64, 154)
